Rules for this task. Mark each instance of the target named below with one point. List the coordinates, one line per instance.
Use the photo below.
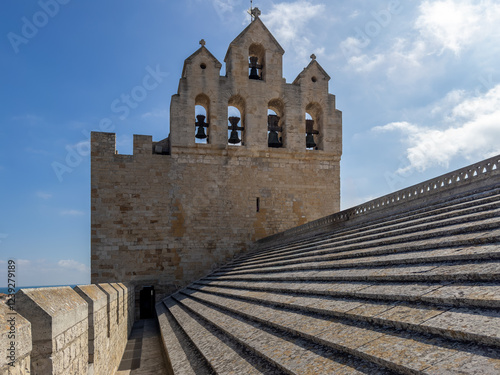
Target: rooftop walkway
(406, 284)
(143, 353)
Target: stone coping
(59, 306)
(22, 335)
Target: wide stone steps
(220, 351)
(414, 293)
(466, 205)
(400, 351)
(290, 355)
(470, 225)
(460, 294)
(379, 257)
(182, 355)
(481, 326)
(446, 271)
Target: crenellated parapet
(62, 331)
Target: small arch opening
(256, 61)
(202, 119)
(203, 66)
(314, 79)
(235, 128)
(274, 130)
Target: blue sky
(418, 83)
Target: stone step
(182, 356)
(426, 218)
(446, 271)
(459, 294)
(224, 355)
(478, 242)
(293, 355)
(403, 352)
(378, 258)
(472, 325)
(487, 228)
(427, 214)
(384, 232)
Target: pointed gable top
(312, 64)
(255, 23)
(199, 51)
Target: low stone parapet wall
(15, 338)
(61, 330)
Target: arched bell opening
(202, 122)
(313, 126)
(275, 124)
(256, 62)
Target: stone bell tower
(248, 155)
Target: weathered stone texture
(59, 324)
(17, 336)
(167, 220)
(69, 329)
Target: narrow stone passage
(143, 354)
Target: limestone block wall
(15, 339)
(166, 220)
(71, 331)
(59, 325)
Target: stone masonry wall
(167, 220)
(65, 331)
(15, 339)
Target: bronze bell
(233, 138)
(200, 134)
(310, 141)
(310, 134)
(254, 68)
(273, 140)
(273, 128)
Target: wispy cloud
(72, 213)
(35, 151)
(472, 132)
(41, 272)
(457, 24)
(28, 118)
(73, 265)
(412, 55)
(288, 21)
(156, 114)
(43, 195)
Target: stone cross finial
(313, 56)
(202, 42)
(256, 12)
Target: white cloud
(288, 21)
(365, 63)
(43, 195)
(354, 14)
(474, 132)
(72, 213)
(73, 265)
(23, 262)
(157, 114)
(28, 118)
(457, 24)
(41, 272)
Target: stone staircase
(414, 290)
